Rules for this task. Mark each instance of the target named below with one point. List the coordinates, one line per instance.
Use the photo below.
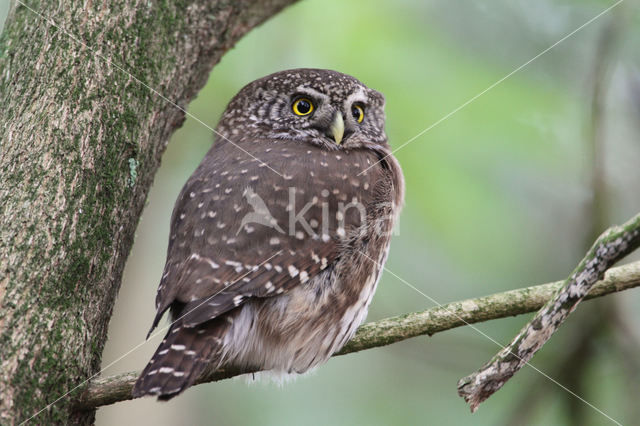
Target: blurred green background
(499, 196)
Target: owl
(279, 237)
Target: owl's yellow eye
(302, 106)
(358, 112)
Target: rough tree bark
(80, 142)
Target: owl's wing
(241, 231)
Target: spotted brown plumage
(278, 237)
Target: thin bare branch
(109, 390)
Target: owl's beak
(336, 129)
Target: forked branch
(614, 244)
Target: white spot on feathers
(293, 271)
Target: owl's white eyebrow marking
(358, 96)
(312, 92)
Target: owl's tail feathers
(181, 358)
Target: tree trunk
(82, 130)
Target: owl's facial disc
(320, 107)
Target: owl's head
(322, 107)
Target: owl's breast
(301, 329)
